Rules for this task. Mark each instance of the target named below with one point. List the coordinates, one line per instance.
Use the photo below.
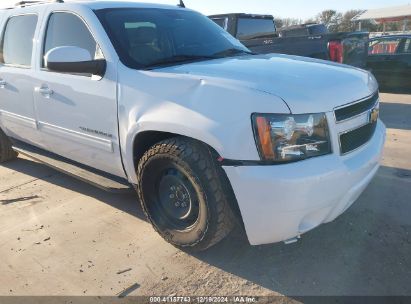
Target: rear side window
(17, 40)
(318, 29)
(66, 29)
(384, 47)
(249, 28)
(297, 32)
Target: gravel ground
(59, 236)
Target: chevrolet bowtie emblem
(374, 114)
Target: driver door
(77, 113)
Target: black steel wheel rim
(173, 202)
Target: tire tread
(197, 155)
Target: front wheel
(184, 194)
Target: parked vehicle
(389, 59)
(259, 34)
(124, 94)
(303, 30)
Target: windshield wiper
(191, 58)
(178, 59)
(232, 52)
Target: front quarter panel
(214, 111)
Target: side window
(17, 40)
(318, 29)
(66, 29)
(384, 47)
(297, 32)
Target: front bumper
(281, 202)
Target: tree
(285, 22)
(331, 19)
(278, 22)
(338, 22)
(346, 24)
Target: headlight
(286, 137)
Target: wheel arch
(144, 140)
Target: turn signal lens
(264, 134)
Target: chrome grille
(355, 109)
(354, 138)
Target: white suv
(124, 94)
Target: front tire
(184, 194)
(6, 151)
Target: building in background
(399, 16)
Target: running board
(86, 174)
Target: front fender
(214, 111)
(166, 127)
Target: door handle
(3, 84)
(44, 90)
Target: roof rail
(34, 2)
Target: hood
(307, 85)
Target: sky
(301, 9)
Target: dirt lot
(59, 236)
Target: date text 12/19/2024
(203, 299)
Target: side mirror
(71, 59)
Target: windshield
(149, 38)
